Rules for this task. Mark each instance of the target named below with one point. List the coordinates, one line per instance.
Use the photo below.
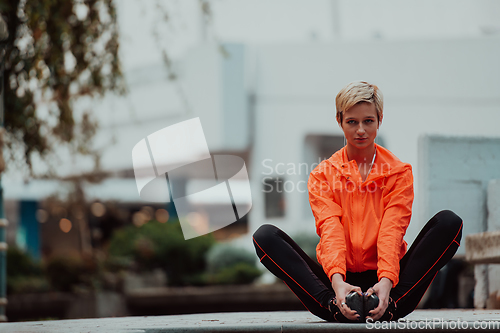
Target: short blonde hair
(359, 92)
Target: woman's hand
(382, 290)
(342, 289)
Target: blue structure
(31, 229)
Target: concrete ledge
(153, 302)
(291, 321)
(187, 300)
(483, 248)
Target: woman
(361, 198)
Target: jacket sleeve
(395, 221)
(331, 250)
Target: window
(274, 197)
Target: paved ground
(291, 321)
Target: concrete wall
(213, 78)
(460, 173)
(454, 173)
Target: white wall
(454, 173)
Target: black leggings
(432, 249)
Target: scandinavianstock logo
(174, 164)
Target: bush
(240, 273)
(64, 273)
(20, 263)
(24, 275)
(308, 243)
(27, 284)
(162, 245)
(225, 255)
(116, 264)
(227, 264)
(61, 273)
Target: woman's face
(360, 125)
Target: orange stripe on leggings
(427, 288)
(287, 274)
(296, 295)
(454, 240)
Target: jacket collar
(385, 164)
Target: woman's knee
(450, 222)
(265, 234)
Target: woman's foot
(355, 302)
(362, 304)
(390, 311)
(370, 303)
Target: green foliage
(56, 52)
(227, 264)
(23, 274)
(225, 255)
(116, 264)
(240, 273)
(59, 273)
(64, 273)
(20, 263)
(27, 284)
(308, 243)
(163, 245)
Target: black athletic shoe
(362, 304)
(355, 302)
(337, 315)
(332, 306)
(370, 303)
(390, 311)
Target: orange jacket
(361, 224)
